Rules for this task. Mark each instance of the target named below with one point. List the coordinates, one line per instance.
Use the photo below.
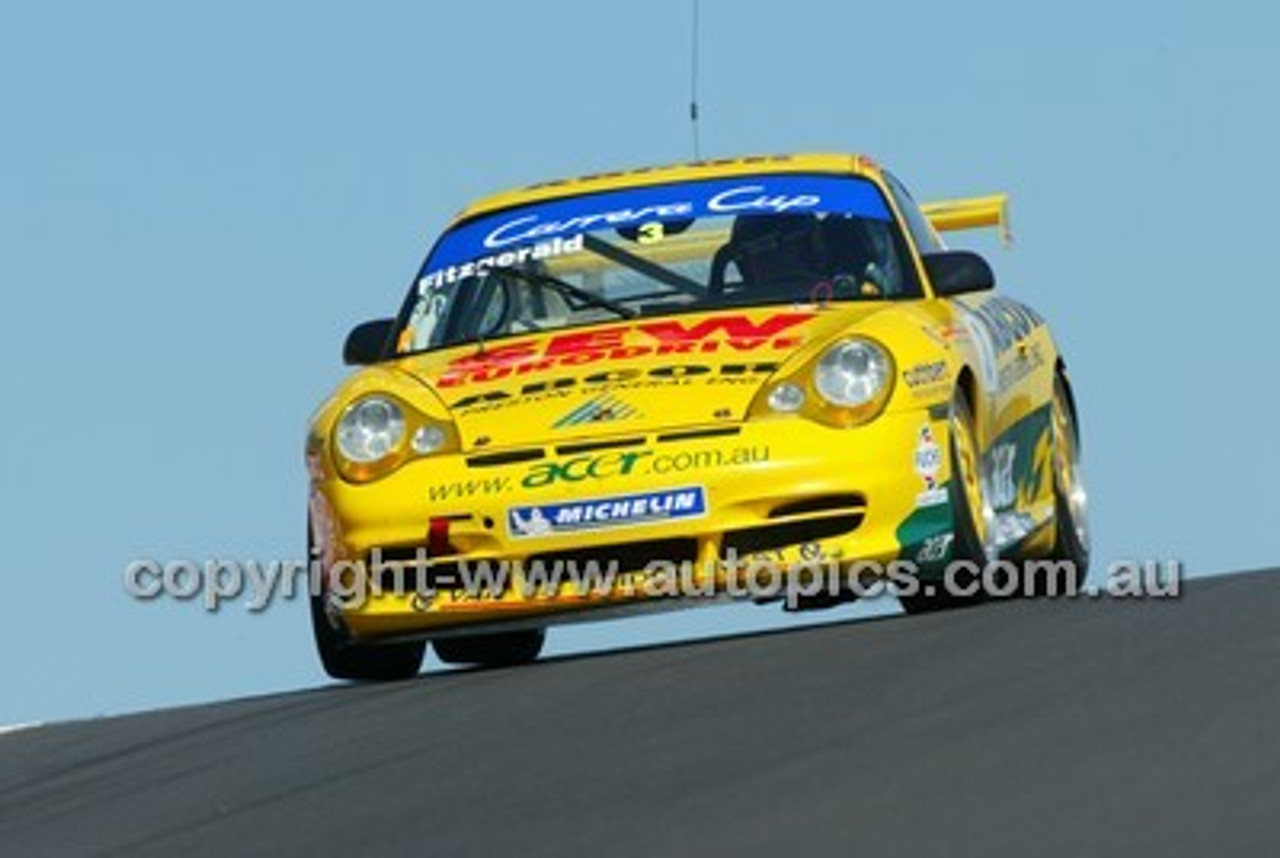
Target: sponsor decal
(816, 552)
(581, 468)
(940, 391)
(1007, 321)
(921, 524)
(1004, 489)
(731, 333)
(928, 464)
(599, 409)
(598, 466)
(1020, 365)
(676, 375)
(451, 274)
(923, 374)
(1018, 461)
(628, 510)
(805, 552)
(944, 335)
(935, 548)
(541, 223)
(931, 497)
(624, 463)
(928, 456)
(997, 325)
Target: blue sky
(198, 201)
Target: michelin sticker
(657, 507)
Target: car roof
(842, 164)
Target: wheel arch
(967, 383)
(1060, 371)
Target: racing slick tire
(344, 659)
(1070, 500)
(503, 649)
(973, 520)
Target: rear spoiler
(971, 213)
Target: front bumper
(784, 490)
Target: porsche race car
(670, 377)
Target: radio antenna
(693, 86)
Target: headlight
(853, 373)
(428, 439)
(370, 429)
(786, 398)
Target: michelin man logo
(535, 525)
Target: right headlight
(378, 433)
(369, 430)
(853, 373)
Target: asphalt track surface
(1098, 727)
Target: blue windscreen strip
(554, 227)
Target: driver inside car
(804, 256)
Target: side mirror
(367, 342)
(955, 272)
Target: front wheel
(503, 649)
(343, 658)
(973, 520)
(1070, 500)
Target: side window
(922, 233)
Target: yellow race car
(644, 389)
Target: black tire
(342, 658)
(968, 542)
(1071, 542)
(503, 649)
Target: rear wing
(971, 213)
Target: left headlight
(370, 429)
(853, 373)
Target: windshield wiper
(566, 290)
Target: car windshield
(657, 250)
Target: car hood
(623, 378)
